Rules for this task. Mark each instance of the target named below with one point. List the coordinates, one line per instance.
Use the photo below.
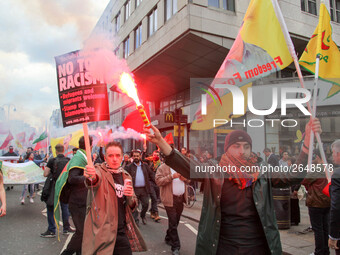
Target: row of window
(311, 7)
(127, 13)
(170, 10)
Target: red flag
(7, 140)
(31, 137)
(134, 121)
(169, 138)
(40, 145)
(326, 190)
(21, 137)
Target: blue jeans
(26, 188)
(64, 213)
(319, 218)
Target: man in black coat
(272, 159)
(334, 226)
(53, 169)
(10, 152)
(140, 173)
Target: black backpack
(47, 189)
(47, 194)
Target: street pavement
(21, 228)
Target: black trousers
(233, 250)
(319, 218)
(174, 214)
(122, 246)
(78, 216)
(294, 211)
(143, 197)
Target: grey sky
(32, 33)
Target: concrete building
(167, 42)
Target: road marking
(66, 242)
(183, 222)
(191, 228)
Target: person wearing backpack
(52, 171)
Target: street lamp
(8, 108)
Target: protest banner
(82, 97)
(23, 173)
(12, 159)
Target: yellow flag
(75, 138)
(54, 142)
(18, 144)
(335, 89)
(329, 52)
(258, 51)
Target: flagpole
(297, 66)
(87, 144)
(316, 79)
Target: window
(138, 2)
(138, 36)
(127, 9)
(117, 23)
(225, 4)
(126, 47)
(152, 22)
(308, 6)
(214, 3)
(229, 5)
(335, 10)
(170, 8)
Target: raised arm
(284, 179)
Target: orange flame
(128, 86)
(143, 136)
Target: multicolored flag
(78, 161)
(258, 51)
(328, 51)
(21, 137)
(18, 144)
(7, 140)
(40, 145)
(31, 137)
(41, 137)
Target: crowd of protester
(138, 178)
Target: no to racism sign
(82, 97)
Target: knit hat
(236, 136)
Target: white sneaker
(22, 201)
(31, 200)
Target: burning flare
(128, 86)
